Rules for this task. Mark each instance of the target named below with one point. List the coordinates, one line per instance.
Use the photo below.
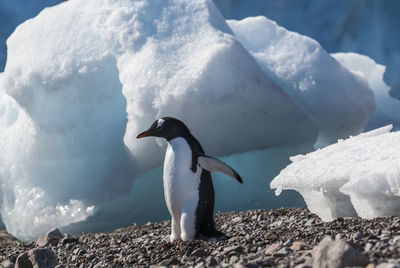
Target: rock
(51, 238)
(42, 258)
(237, 219)
(238, 249)
(387, 265)
(170, 261)
(282, 252)
(368, 247)
(336, 253)
(7, 264)
(23, 261)
(7, 239)
(212, 262)
(68, 240)
(357, 235)
(273, 248)
(199, 253)
(299, 246)
(396, 240)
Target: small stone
(234, 259)
(273, 248)
(237, 219)
(368, 247)
(170, 261)
(299, 246)
(238, 249)
(303, 265)
(69, 240)
(212, 262)
(337, 253)
(396, 240)
(7, 264)
(90, 256)
(199, 253)
(288, 243)
(282, 252)
(51, 238)
(99, 265)
(340, 236)
(387, 265)
(200, 265)
(357, 235)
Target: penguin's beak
(143, 134)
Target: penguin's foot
(173, 238)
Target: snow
(340, 102)
(13, 13)
(77, 94)
(387, 108)
(365, 27)
(359, 176)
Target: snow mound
(359, 176)
(82, 79)
(387, 108)
(339, 101)
(366, 27)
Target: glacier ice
(365, 27)
(314, 79)
(75, 96)
(359, 176)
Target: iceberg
(358, 177)
(365, 27)
(387, 108)
(74, 97)
(13, 13)
(340, 102)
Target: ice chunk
(339, 101)
(387, 108)
(366, 27)
(83, 78)
(359, 176)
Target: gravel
(286, 237)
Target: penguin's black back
(204, 223)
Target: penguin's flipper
(214, 165)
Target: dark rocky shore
(286, 237)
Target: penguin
(188, 187)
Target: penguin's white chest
(181, 184)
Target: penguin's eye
(160, 124)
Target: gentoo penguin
(188, 188)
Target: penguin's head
(167, 128)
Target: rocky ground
(268, 238)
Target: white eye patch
(160, 122)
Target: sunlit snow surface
(359, 176)
(387, 108)
(314, 80)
